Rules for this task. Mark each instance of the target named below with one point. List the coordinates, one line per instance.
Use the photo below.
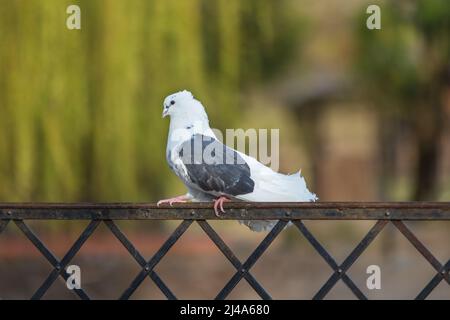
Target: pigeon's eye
(172, 102)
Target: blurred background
(364, 113)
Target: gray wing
(214, 167)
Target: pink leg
(171, 201)
(218, 203)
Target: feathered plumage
(209, 169)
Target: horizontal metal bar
(234, 211)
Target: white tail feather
(274, 187)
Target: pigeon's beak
(165, 112)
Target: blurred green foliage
(399, 61)
(405, 69)
(80, 110)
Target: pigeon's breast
(176, 164)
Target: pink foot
(170, 201)
(218, 203)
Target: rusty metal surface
(234, 210)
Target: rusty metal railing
(381, 213)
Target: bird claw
(171, 201)
(218, 204)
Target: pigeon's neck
(196, 124)
(183, 128)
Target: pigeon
(212, 171)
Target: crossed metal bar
(339, 271)
(242, 269)
(59, 266)
(233, 259)
(442, 271)
(140, 259)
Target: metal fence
(380, 213)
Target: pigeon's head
(182, 105)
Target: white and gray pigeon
(212, 171)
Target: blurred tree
(80, 111)
(404, 66)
